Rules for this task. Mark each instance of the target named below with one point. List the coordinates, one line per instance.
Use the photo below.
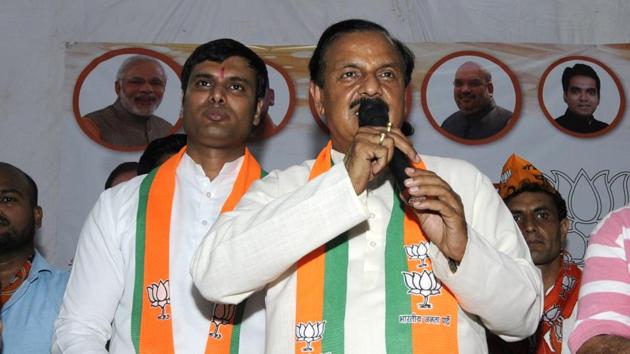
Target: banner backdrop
(591, 170)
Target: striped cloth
(604, 303)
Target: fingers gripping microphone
(376, 113)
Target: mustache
(365, 99)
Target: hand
(369, 154)
(439, 210)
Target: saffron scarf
(421, 315)
(559, 304)
(151, 325)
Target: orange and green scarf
(420, 314)
(151, 325)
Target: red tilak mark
(222, 73)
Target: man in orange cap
(541, 214)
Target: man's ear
(565, 224)
(316, 93)
(258, 113)
(38, 214)
(117, 87)
(564, 98)
(490, 87)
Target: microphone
(374, 112)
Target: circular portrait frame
(554, 71)
(107, 56)
(508, 78)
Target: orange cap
(518, 171)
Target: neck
(550, 272)
(10, 263)
(213, 159)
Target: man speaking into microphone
(347, 265)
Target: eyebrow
(11, 191)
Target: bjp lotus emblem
(553, 319)
(418, 252)
(221, 314)
(159, 295)
(424, 284)
(309, 333)
(568, 282)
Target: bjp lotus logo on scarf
(554, 320)
(309, 333)
(424, 284)
(418, 252)
(159, 296)
(221, 314)
(568, 282)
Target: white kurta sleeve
(281, 219)
(95, 286)
(496, 279)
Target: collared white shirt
(101, 284)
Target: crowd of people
(197, 249)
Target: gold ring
(382, 138)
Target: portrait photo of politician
(130, 116)
(478, 116)
(471, 97)
(581, 91)
(581, 96)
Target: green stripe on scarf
(138, 286)
(335, 279)
(397, 335)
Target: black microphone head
(373, 112)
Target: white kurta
(98, 299)
(284, 217)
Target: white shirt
(283, 217)
(98, 299)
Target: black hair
(157, 149)
(560, 203)
(33, 192)
(317, 64)
(221, 49)
(579, 70)
(122, 168)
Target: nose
(146, 87)
(217, 95)
(528, 226)
(371, 86)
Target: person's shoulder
(504, 113)
(451, 120)
(442, 163)
(297, 172)
(161, 122)
(122, 196)
(98, 114)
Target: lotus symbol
(418, 252)
(568, 282)
(309, 333)
(552, 317)
(159, 295)
(424, 284)
(221, 314)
